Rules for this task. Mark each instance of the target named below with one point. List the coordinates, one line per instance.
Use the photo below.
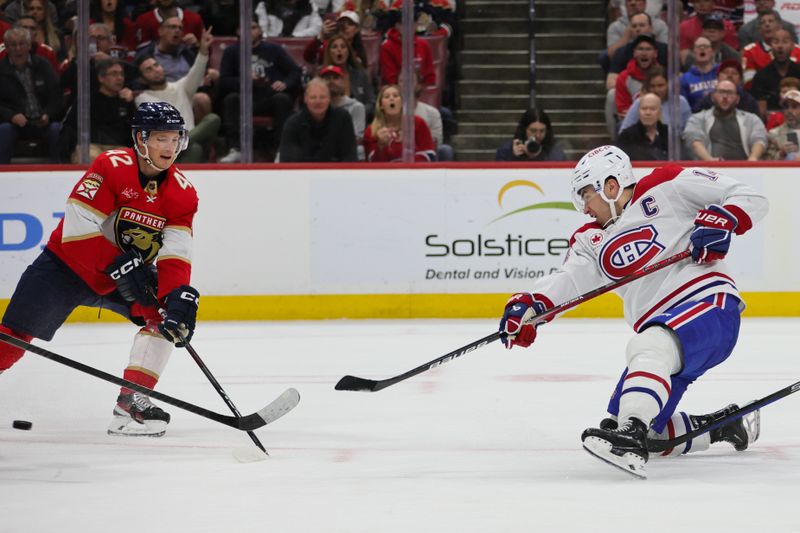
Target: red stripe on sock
(671, 433)
(648, 375)
(140, 378)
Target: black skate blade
(629, 462)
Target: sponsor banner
(365, 231)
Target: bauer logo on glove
(711, 236)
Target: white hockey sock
(680, 424)
(149, 355)
(653, 356)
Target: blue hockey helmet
(159, 116)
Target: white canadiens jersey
(655, 224)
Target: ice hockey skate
(136, 416)
(740, 433)
(624, 448)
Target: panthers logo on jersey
(140, 230)
(629, 252)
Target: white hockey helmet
(595, 167)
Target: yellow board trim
(331, 306)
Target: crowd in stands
(325, 77)
(324, 71)
(739, 83)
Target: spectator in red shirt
(692, 27)
(391, 57)
(383, 139)
(122, 28)
(148, 23)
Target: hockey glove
(711, 237)
(134, 278)
(520, 308)
(180, 315)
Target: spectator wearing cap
(630, 80)
(338, 52)
(647, 139)
(748, 33)
(318, 132)
(276, 81)
(775, 118)
(765, 86)
(288, 18)
(148, 24)
(335, 77)
(622, 31)
(731, 70)
(714, 31)
(783, 139)
(725, 132)
(640, 25)
(701, 78)
(692, 27)
(348, 25)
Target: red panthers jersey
(110, 212)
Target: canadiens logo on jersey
(140, 230)
(89, 185)
(629, 252)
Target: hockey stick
(206, 371)
(353, 383)
(656, 445)
(218, 387)
(276, 409)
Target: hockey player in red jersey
(125, 241)
(686, 317)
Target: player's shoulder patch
(655, 178)
(89, 185)
(590, 226)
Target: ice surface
(489, 442)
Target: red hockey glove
(519, 309)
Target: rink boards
(283, 242)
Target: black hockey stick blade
(354, 383)
(657, 445)
(276, 409)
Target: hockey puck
(22, 424)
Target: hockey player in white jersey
(686, 317)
